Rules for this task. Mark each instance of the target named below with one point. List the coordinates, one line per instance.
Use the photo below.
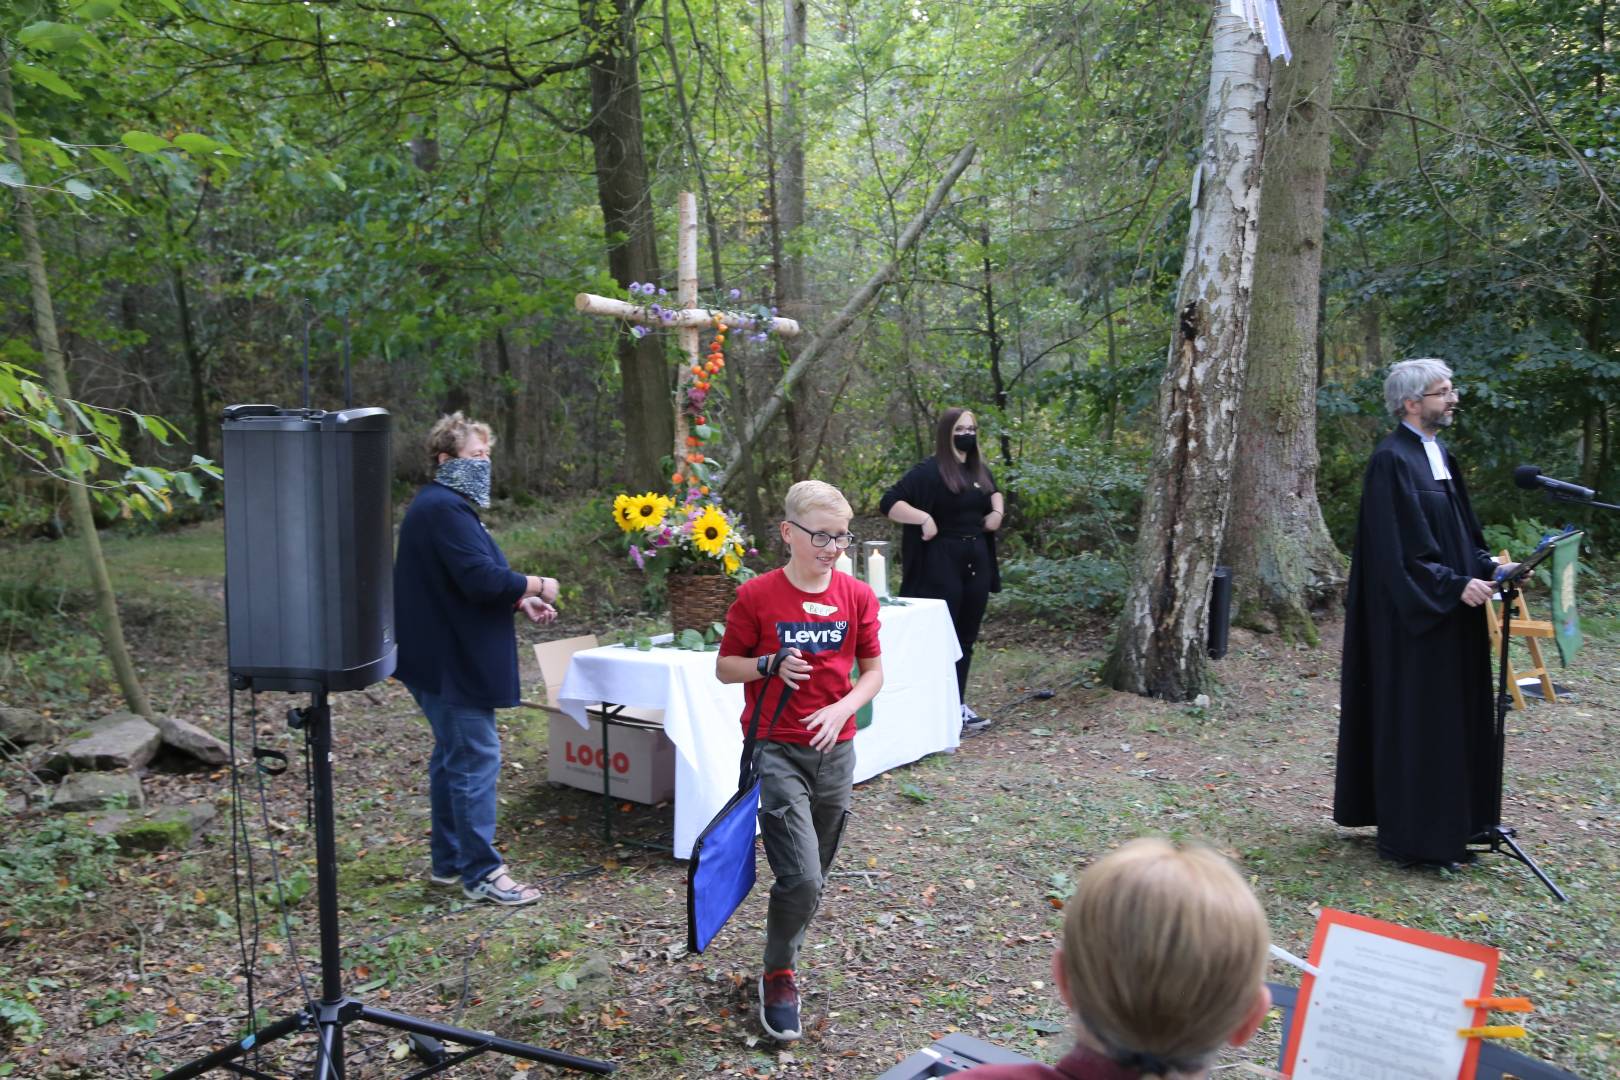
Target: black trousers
(956, 569)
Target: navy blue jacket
(453, 601)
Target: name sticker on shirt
(813, 608)
(812, 637)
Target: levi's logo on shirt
(812, 637)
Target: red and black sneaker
(779, 1005)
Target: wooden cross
(688, 319)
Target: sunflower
(731, 562)
(710, 530)
(646, 511)
(621, 512)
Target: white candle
(843, 564)
(877, 573)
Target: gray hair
(1408, 379)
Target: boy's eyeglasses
(822, 539)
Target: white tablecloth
(918, 711)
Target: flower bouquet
(700, 545)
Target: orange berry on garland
(704, 490)
(675, 479)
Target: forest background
(210, 178)
(985, 205)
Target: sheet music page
(1386, 1009)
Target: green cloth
(1566, 621)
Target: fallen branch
(851, 311)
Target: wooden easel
(1532, 630)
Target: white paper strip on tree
(1264, 17)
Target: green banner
(1566, 621)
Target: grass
(940, 916)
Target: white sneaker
(972, 722)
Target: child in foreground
(1162, 964)
(827, 620)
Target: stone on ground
(96, 790)
(119, 740)
(166, 828)
(24, 727)
(190, 739)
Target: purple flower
(635, 286)
(693, 495)
(663, 537)
(666, 316)
(753, 551)
(638, 331)
(663, 292)
(655, 310)
(735, 294)
(635, 557)
(697, 397)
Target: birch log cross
(689, 320)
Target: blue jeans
(461, 787)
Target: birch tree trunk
(790, 209)
(1160, 648)
(50, 347)
(1283, 560)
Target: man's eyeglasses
(1450, 395)
(822, 539)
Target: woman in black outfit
(951, 509)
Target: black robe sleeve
(1396, 536)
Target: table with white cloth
(918, 711)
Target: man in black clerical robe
(1416, 749)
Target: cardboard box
(641, 759)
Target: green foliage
(69, 669)
(48, 873)
(1053, 589)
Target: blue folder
(722, 867)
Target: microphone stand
(1499, 838)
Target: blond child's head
(1163, 956)
(815, 527)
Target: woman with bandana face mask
(454, 597)
(951, 509)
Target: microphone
(1530, 478)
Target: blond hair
(451, 433)
(808, 495)
(1164, 951)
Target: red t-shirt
(831, 629)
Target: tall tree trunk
(1160, 648)
(993, 332)
(50, 347)
(1283, 560)
(623, 190)
(202, 424)
(509, 389)
(788, 253)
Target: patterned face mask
(467, 476)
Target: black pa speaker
(309, 582)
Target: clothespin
(1492, 1031)
(1501, 1004)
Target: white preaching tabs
(1437, 459)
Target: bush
(1052, 589)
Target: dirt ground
(940, 917)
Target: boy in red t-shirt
(827, 620)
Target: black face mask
(965, 443)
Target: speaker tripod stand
(1499, 838)
(335, 1011)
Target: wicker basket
(698, 601)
